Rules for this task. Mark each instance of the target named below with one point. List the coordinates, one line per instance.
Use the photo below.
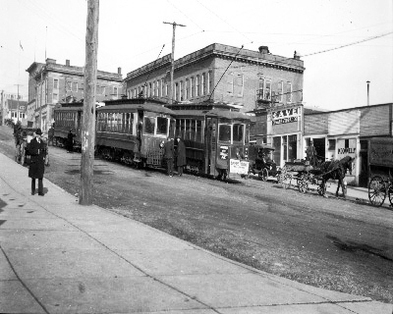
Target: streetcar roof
(230, 115)
(76, 108)
(157, 108)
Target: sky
(343, 43)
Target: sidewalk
(60, 257)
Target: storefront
(284, 132)
(335, 135)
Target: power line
(225, 21)
(347, 45)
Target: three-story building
(50, 83)
(257, 82)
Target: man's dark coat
(37, 151)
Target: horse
(336, 170)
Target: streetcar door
(210, 146)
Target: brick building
(50, 83)
(245, 80)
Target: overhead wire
(350, 44)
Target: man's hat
(38, 131)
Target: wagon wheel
(264, 175)
(376, 191)
(322, 189)
(302, 184)
(286, 180)
(390, 194)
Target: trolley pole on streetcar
(88, 127)
(174, 24)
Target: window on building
(187, 94)
(176, 96)
(197, 82)
(75, 86)
(68, 86)
(203, 84)
(280, 91)
(288, 92)
(115, 91)
(55, 97)
(181, 90)
(191, 87)
(239, 85)
(209, 82)
(55, 83)
(230, 83)
(261, 88)
(268, 85)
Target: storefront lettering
(285, 116)
(285, 120)
(346, 150)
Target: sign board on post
(238, 166)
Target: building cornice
(223, 52)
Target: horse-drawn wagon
(380, 161)
(307, 175)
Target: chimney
(67, 62)
(368, 93)
(263, 49)
(119, 70)
(49, 60)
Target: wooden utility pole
(174, 24)
(89, 104)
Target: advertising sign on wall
(285, 116)
(347, 147)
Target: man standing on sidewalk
(37, 150)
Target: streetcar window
(224, 133)
(188, 129)
(182, 128)
(162, 125)
(238, 131)
(149, 125)
(192, 130)
(198, 131)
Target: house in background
(16, 110)
(5, 112)
(51, 83)
(256, 82)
